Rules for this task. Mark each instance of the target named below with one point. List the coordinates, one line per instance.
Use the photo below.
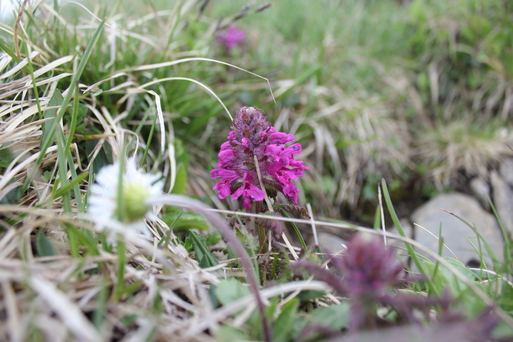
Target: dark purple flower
(368, 274)
(251, 136)
(231, 37)
(369, 267)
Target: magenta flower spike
(251, 136)
(231, 37)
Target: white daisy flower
(138, 190)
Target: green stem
(260, 229)
(121, 268)
(261, 238)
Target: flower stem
(121, 249)
(260, 229)
(261, 238)
(229, 235)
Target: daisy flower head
(137, 189)
(252, 136)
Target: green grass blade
(296, 229)
(74, 80)
(399, 228)
(9, 51)
(508, 267)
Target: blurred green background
(417, 92)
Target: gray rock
(506, 170)
(331, 243)
(454, 231)
(481, 190)
(502, 200)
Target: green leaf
(506, 299)
(283, 324)
(7, 49)
(185, 220)
(128, 320)
(334, 317)
(6, 157)
(44, 245)
(182, 164)
(63, 190)
(54, 104)
(458, 265)
(213, 298)
(227, 333)
(443, 278)
(188, 244)
(103, 158)
(180, 185)
(203, 255)
(13, 196)
(503, 331)
(310, 294)
(213, 238)
(230, 290)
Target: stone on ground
(457, 234)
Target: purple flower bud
(369, 267)
(231, 37)
(251, 136)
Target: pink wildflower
(231, 37)
(248, 190)
(251, 135)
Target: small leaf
(213, 238)
(334, 317)
(310, 294)
(506, 299)
(182, 163)
(6, 157)
(128, 320)
(13, 196)
(185, 220)
(283, 324)
(213, 298)
(203, 255)
(230, 290)
(180, 185)
(227, 333)
(503, 331)
(443, 278)
(461, 268)
(103, 157)
(44, 245)
(188, 244)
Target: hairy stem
(229, 235)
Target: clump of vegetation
(111, 121)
